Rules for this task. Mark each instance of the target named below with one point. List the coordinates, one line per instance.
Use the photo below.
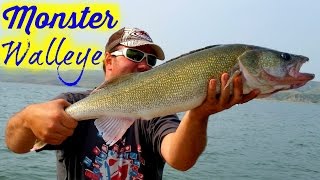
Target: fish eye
(285, 56)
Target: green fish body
(181, 84)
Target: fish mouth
(298, 78)
(294, 77)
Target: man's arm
(47, 122)
(182, 148)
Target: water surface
(257, 140)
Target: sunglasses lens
(137, 56)
(152, 60)
(134, 55)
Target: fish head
(272, 71)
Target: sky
(180, 26)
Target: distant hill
(310, 93)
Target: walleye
(181, 84)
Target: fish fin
(38, 145)
(236, 73)
(113, 82)
(113, 128)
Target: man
(146, 145)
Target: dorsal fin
(113, 82)
(191, 52)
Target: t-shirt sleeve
(72, 97)
(158, 128)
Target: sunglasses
(136, 55)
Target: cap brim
(134, 43)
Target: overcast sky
(180, 26)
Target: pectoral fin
(236, 73)
(112, 129)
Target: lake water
(258, 140)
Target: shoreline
(271, 98)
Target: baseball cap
(133, 37)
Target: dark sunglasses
(136, 55)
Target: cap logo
(134, 34)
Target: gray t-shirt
(85, 155)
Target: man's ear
(108, 61)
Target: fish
(181, 84)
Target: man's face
(120, 65)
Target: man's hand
(215, 103)
(50, 123)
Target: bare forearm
(19, 138)
(188, 142)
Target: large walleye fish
(181, 84)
